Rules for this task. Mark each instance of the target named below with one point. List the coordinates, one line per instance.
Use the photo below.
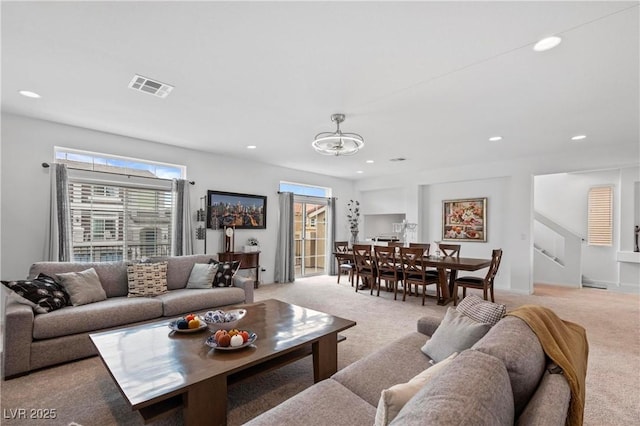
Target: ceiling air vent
(152, 87)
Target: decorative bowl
(224, 320)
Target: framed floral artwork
(464, 220)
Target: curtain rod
(311, 196)
(47, 165)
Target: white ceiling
(429, 81)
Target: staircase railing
(558, 253)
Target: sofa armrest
(549, 405)
(246, 284)
(428, 324)
(18, 335)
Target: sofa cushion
(43, 293)
(393, 399)
(112, 312)
(326, 402)
(473, 389)
(481, 310)
(202, 275)
(113, 275)
(513, 342)
(396, 362)
(83, 287)
(179, 268)
(147, 279)
(456, 333)
(552, 392)
(182, 301)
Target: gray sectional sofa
(33, 341)
(504, 379)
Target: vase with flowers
(353, 217)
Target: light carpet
(82, 392)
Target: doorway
(310, 236)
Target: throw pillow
(42, 293)
(202, 275)
(147, 279)
(226, 272)
(393, 399)
(481, 310)
(456, 333)
(83, 287)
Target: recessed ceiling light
(369, 161)
(398, 159)
(359, 171)
(495, 138)
(578, 137)
(29, 94)
(251, 147)
(547, 43)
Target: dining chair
(365, 265)
(424, 246)
(450, 250)
(345, 262)
(485, 284)
(389, 270)
(414, 273)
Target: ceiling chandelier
(338, 142)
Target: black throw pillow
(225, 273)
(43, 293)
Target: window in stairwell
(600, 216)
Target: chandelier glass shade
(338, 142)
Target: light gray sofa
(503, 379)
(34, 341)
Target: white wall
(563, 199)
(26, 143)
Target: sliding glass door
(310, 236)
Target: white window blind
(112, 221)
(600, 216)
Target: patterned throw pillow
(226, 272)
(147, 279)
(42, 293)
(481, 310)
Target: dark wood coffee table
(160, 371)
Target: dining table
(453, 264)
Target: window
(120, 208)
(600, 216)
(308, 190)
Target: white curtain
(284, 271)
(58, 239)
(182, 240)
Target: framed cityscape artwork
(464, 220)
(241, 211)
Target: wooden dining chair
(423, 246)
(344, 261)
(365, 265)
(389, 270)
(450, 250)
(485, 284)
(414, 273)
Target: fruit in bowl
(217, 320)
(191, 321)
(231, 338)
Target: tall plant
(353, 215)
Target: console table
(247, 261)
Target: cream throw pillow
(147, 279)
(393, 399)
(202, 275)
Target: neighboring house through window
(120, 207)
